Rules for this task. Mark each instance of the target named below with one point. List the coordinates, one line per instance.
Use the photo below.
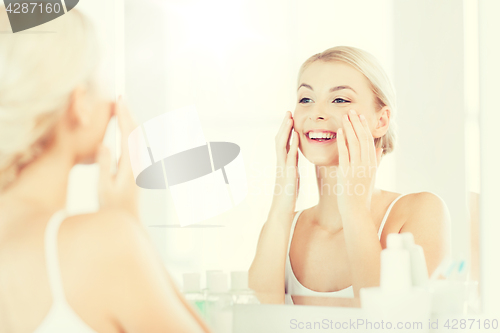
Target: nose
(318, 114)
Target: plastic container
(219, 303)
(419, 272)
(191, 288)
(240, 292)
(395, 265)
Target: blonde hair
(381, 86)
(39, 69)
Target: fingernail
(352, 112)
(361, 117)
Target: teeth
(321, 135)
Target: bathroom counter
(270, 318)
(267, 318)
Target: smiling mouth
(321, 136)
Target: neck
(327, 213)
(43, 183)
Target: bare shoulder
(112, 273)
(100, 247)
(416, 204)
(427, 218)
(423, 204)
(104, 229)
(419, 213)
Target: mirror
(238, 62)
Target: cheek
(105, 112)
(298, 120)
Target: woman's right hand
(286, 188)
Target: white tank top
(292, 284)
(61, 317)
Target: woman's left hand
(358, 163)
(119, 190)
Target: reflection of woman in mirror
(343, 124)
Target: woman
(85, 273)
(344, 124)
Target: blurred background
(237, 61)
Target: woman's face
(327, 91)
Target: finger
(288, 116)
(352, 141)
(343, 151)
(293, 153)
(371, 141)
(127, 125)
(104, 161)
(289, 139)
(283, 137)
(359, 131)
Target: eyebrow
(331, 90)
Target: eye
(340, 100)
(305, 100)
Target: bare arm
(267, 272)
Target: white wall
(489, 71)
(429, 64)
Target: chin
(88, 159)
(323, 160)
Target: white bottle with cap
(395, 266)
(219, 303)
(191, 288)
(239, 289)
(207, 279)
(396, 299)
(419, 272)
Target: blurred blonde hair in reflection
(35, 88)
(381, 86)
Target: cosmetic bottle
(240, 292)
(395, 265)
(419, 272)
(207, 279)
(219, 303)
(192, 291)
(396, 300)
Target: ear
(383, 120)
(78, 111)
